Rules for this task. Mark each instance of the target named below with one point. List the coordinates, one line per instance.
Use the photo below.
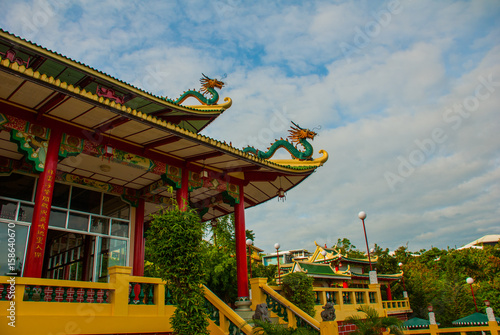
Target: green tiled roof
(319, 270)
(473, 320)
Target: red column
(138, 268)
(182, 193)
(388, 291)
(41, 211)
(241, 260)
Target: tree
(260, 270)
(174, 242)
(220, 261)
(372, 324)
(345, 246)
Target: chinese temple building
(330, 268)
(84, 159)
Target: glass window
(17, 186)
(99, 225)
(78, 221)
(25, 213)
(21, 233)
(61, 195)
(111, 252)
(8, 209)
(57, 218)
(119, 228)
(115, 207)
(85, 200)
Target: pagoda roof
(319, 270)
(416, 323)
(333, 254)
(47, 91)
(77, 74)
(475, 319)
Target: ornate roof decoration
(298, 135)
(208, 85)
(45, 88)
(77, 74)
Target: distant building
(485, 240)
(286, 257)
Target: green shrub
(298, 288)
(173, 243)
(264, 328)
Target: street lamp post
(362, 216)
(405, 294)
(277, 247)
(402, 277)
(323, 252)
(249, 244)
(470, 281)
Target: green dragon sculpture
(298, 136)
(208, 85)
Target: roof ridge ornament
(298, 135)
(208, 85)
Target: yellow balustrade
(345, 300)
(226, 314)
(48, 306)
(396, 305)
(493, 328)
(295, 316)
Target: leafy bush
(265, 328)
(372, 324)
(298, 288)
(173, 243)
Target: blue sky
(407, 94)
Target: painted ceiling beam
(204, 156)
(112, 124)
(58, 98)
(88, 135)
(261, 176)
(159, 143)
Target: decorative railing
(345, 300)
(224, 317)
(285, 310)
(351, 297)
(141, 294)
(492, 328)
(63, 306)
(392, 305)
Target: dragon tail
(250, 150)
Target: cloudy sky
(407, 94)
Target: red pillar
(182, 193)
(138, 268)
(388, 291)
(41, 211)
(241, 260)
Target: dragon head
(207, 83)
(297, 133)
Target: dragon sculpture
(298, 136)
(208, 85)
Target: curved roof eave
(289, 166)
(202, 109)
